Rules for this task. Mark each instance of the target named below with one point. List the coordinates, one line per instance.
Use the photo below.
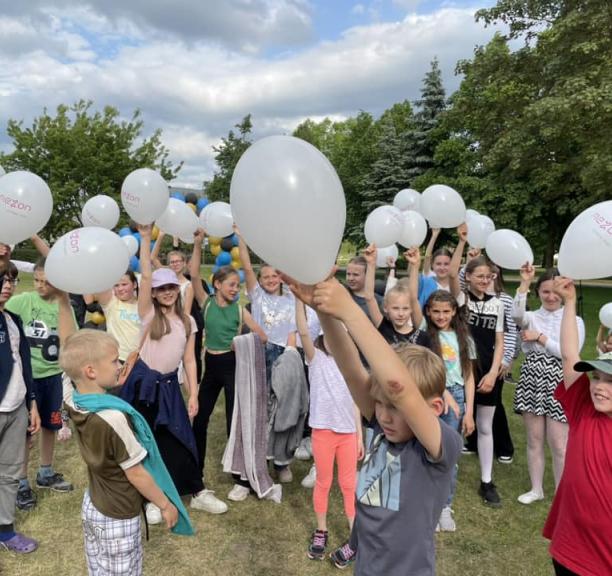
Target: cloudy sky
(197, 67)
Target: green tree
(227, 155)
(81, 153)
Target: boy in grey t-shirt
(406, 476)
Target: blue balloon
(202, 203)
(241, 275)
(137, 236)
(134, 264)
(178, 196)
(235, 240)
(125, 231)
(223, 259)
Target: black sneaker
(489, 494)
(344, 556)
(318, 544)
(26, 499)
(56, 482)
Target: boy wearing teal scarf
(123, 462)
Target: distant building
(199, 192)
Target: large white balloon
(87, 261)
(289, 204)
(131, 244)
(586, 247)
(479, 229)
(508, 249)
(407, 199)
(100, 211)
(217, 219)
(25, 206)
(383, 226)
(144, 195)
(383, 253)
(414, 229)
(605, 315)
(442, 205)
(178, 219)
(2, 171)
(470, 213)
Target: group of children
(418, 368)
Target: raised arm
(156, 248)
(386, 366)
(570, 347)
(455, 265)
(40, 245)
(302, 326)
(66, 326)
(435, 232)
(245, 258)
(145, 292)
(519, 306)
(413, 257)
(370, 282)
(602, 339)
(199, 293)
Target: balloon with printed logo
(586, 247)
(131, 244)
(100, 210)
(87, 261)
(383, 226)
(177, 220)
(414, 229)
(289, 204)
(383, 253)
(407, 199)
(442, 205)
(605, 315)
(25, 206)
(508, 249)
(144, 195)
(217, 219)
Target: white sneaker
(530, 497)
(238, 493)
(275, 494)
(285, 475)
(446, 522)
(304, 450)
(311, 478)
(207, 501)
(153, 514)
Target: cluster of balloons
(226, 253)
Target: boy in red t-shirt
(579, 524)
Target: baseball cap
(164, 276)
(603, 363)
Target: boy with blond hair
(123, 464)
(405, 479)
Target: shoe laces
(346, 551)
(318, 540)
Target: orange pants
(328, 446)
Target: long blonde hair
(160, 325)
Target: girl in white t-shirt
(336, 432)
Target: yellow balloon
(214, 240)
(215, 249)
(235, 252)
(236, 264)
(154, 233)
(98, 318)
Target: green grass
(262, 538)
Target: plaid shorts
(112, 547)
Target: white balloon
(178, 219)
(442, 205)
(25, 206)
(605, 315)
(87, 261)
(131, 244)
(2, 171)
(144, 195)
(479, 229)
(414, 229)
(407, 199)
(508, 249)
(586, 247)
(383, 253)
(289, 204)
(217, 219)
(383, 226)
(100, 211)
(470, 213)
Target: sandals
(19, 544)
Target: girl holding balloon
(541, 373)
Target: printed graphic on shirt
(129, 316)
(449, 354)
(43, 337)
(379, 477)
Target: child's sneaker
(446, 523)
(318, 544)
(207, 501)
(530, 497)
(285, 475)
(489, 494)
(275, 494)
(310, 479)
(304, 450)
(56, 482)
(26, 498)
(238, 493)
(344, 556)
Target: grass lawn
(262, 538)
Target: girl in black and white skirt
(541, 373)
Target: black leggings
(561, 570)
(219, 372)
